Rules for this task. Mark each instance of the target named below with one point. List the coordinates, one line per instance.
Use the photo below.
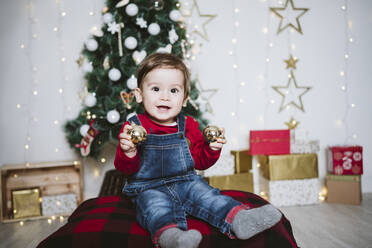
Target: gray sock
(176, 238)
(250, 222)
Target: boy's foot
(176, 238)
(248, 223)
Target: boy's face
(162, 93)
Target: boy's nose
(164, 95)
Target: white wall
(320, 51)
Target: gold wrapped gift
(241, 181)
(26, 203)
(243, 161)
(288, 167)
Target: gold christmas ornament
(137, 134)
(290, 17)
(80, 60)
(291, 94)
(291, 62)
(292, 123)
(197, 21)
(212, 133)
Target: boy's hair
(164, 60)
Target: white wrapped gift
(290, 192)
(58, 204)
(224, 166)
(302, 146)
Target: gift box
(26, 203)
(269, 142)
(242, 161)
(290, 192)
(63, 204)
(344, 189)
(287, 167)
(345, 160)
(241, 181)
(302, 146)
(223, 166)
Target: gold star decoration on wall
(197, 22)
(291, 62)
(291, 94)
(205, 95)
(292, 123)
(289, 16)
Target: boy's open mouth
(163, 107)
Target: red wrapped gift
(345, 160)
(269, 142)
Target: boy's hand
(217, 145)
(126, 144)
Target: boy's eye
(174, 90)
(155, 88)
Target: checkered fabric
(110, 222)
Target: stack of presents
(288, 166)
(287, 173)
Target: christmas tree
(130, 31)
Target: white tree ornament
(91, 45)
(154, 29)
(175, 15)
(131, 9)
(90, 100)
(173, 37)
(130, 42)
(84, 129)
(113, 27)
(87, 67)
(113, 116)
(107, 18)
(114, 74)
(132, 82)
(138, 56)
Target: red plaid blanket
(110, 222)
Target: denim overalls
(166, 186)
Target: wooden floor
(315, 226)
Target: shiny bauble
(212, 133)
(113, 116)
(107, 18)
(137, 134)
(90, 100)
(114, 74)
(175, 15)
(132, 82)
(91, 45)
(130, 42)
(154, 29)
(131, 9)
(84, 129)
(87, 67)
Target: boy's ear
(138, 95)
(185, 102)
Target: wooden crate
(52, 178)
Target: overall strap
(135, 119)
(181, 123)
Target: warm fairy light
(22, 46)
(267, 60)
(58, 203)
(57, 178)
(323, 194)
(55, 29)
(63, 59)
(235, 66)
(234, 40)
(56, 122)
(53, 217)
(40, 199)
(241, 100)
(265, 30)
(242, 83)
(61, 219)
(232, 113)
(351, 39)
(343, 87)
(231, 53)
(339, 122)
(27, 147)
(271, 44)
(293, 46)
(35, 92)
(103, 160)
(346, 56)
(94, 116)
(34, 36)
(96, 173)
(76, 162)
(272, 101)
(352, 105)
(63, 14)
(258, 165)
(27, 164)
(21, 223)
(18, 106)
(236, 10)
(342, 73)
(343, 7)
(60, 90)
(355, 136)
(49, 221)
(56, 150)
(15, 175)
(91, 13)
